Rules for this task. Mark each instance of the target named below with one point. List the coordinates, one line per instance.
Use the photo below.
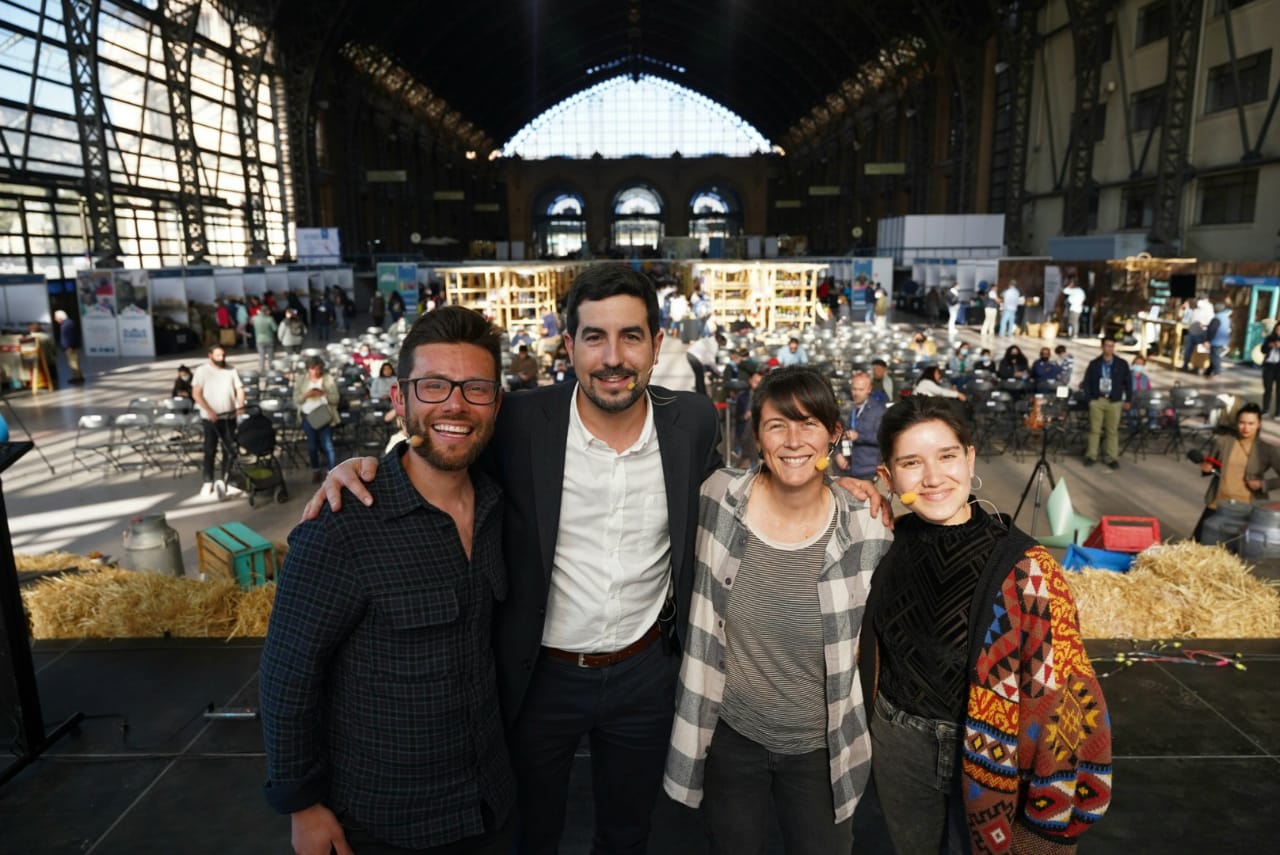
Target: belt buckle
(582, 660)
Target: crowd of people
(572, 562)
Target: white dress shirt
(609, 577)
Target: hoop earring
(973, 488)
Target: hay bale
(124, 604)
(1177, 590)
(253, 611)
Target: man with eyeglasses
(379, 698)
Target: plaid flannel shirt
(856, 545)
(378, 690)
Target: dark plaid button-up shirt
(378, 690)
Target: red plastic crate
(1125, 534)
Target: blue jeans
(914, 761)
(1008, 320)
(317, 439)
(743, 778)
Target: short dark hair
(880, 362)
(915, 410)
(1250, 407)
(315, 362)
(798, 392)
(450, 325)
(931, 372)
(602, 281)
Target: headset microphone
(908, 498)
(416, 440)
(822, 464)
(648, 373)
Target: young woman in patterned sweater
(989, 731)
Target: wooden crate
(235, 550)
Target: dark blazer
(526, 456)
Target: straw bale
(1177, 590)
(53, 561)
(126, 604)
(253, 611)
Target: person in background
(990, 308)
(859, 453)
(395, 306)
(984, 362)
(923, 346)
(1196, 318)
(182, 384)
(1243, 459)
(930, 383)
(1218, 334)
(379, 702)
(881, 306)
(1106, 387)
(293, 332)
(978, 743)
(322, 314)
(1073, 296)
(881, 382)
(1010, 301)
(363, 357)
(1271, 372)
(380, 386)
(218, 392)
(523, 370)
(1066, 364)
(953, 309)
(701, 356)
(70, 341)
(315, 394)
(960, 365)
(793, 354)
(265, 331)
(1140, 381)
(242, 323)
(1045, 370)
(768, 709)
(377, 308)
(1013, 365)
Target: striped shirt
(775, 692)
(854, 549)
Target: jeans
(1104, 417)
(1215, 359)
(914, 761)
(743, 778)
(1008, 322)
(1271, 387)
(1188, 350)
(625, 710)
(317, 439)
(266, 350)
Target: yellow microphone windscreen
(907, 498)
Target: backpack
(296, 327)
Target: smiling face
(612, 350)
(929, 460)
(791, 448)
(454, 431)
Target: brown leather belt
(602, 660)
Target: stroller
(254, 467)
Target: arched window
(714, 212)
(649, 117)
(637, 219)
(560, 225)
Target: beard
(449, 458)
(623, 400)
(220, 363)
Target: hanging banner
(136, 338)
(319, 246)
(100, 336)
(97, 292)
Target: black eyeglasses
(434, 390)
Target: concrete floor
(69, 509)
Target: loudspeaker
(1182, 286)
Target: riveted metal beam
(178, 30)
(249, 48)
(1088, 29)
(1172, 167)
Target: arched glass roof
(622, 117)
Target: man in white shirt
(793, 354)
(218, 392)
(1074, 296)
(701, 356)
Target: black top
(1116, 370)
(922, 616)
(378, 689)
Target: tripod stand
(1041, 471)
(14, 418)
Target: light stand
(1038, 474)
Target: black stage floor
(1197, 758)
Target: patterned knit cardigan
(1036, 756)
(855, 547)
